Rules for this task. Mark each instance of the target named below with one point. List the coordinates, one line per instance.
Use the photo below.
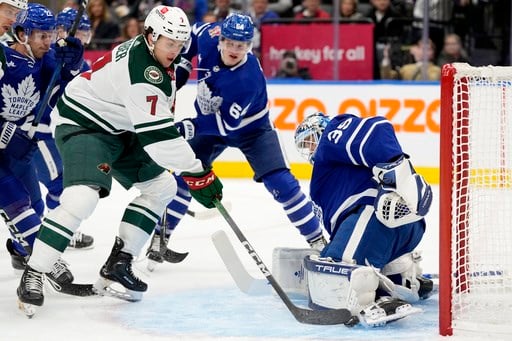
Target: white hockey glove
(186, 128)
(403, 196)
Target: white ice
(196, 299)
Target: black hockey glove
(204, 186)
(16, 142)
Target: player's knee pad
(282, 185)
(79, 201)
(156, 193)
(337, 285)
(288, 269)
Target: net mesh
(482, 197)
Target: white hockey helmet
(21, 4)
(170, 22)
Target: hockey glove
(204, 186)
(16, 142)
(186, 128)
(70, 51)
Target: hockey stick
(244, 281)
(167, 254)
(56, 73)
(321, 317)
(207, 214)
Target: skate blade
(28, 309)
(104, 287)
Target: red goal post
(475, 268)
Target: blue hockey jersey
(23, 82)
(342, 177)
(230, 100)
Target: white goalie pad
(408, 267)
(288, 269)
(336, 285)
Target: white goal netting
(482, 198)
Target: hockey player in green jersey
(116, 121)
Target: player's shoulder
(142, 67)
(211, 30)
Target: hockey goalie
(372, 204)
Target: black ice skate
(30, 291)
(81, 241)
(118, 269)
(386, 309)
(18, 261)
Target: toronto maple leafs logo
(207, 103)
(19, 102)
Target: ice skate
(81, 241)
(18, 261)
(60, 276)
(118, 269)
(153, 252)
(385, 310)
(30, 291)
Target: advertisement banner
(412, 108)
(313, 46)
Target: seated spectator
(209, 17)
(290, 67)
(130, 28)
(452, 52)
(222, 8)
(104, 29)
(380, 12)
(412, 71)
(311, 10)
(282, 7)
(259, 12)
(348, 10)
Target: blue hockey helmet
(36, 17)
(308, 133)
(66, 17)
(238, 27)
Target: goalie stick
(320, 317)
(244, 281)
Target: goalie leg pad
(410, 284)
(336, 285)
(288, 269)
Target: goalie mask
(308, 133)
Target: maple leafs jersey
(349, 148)
(230, 100)
(21, 81)
(127, 90)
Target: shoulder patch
(153, 75)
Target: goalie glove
(204, 186)
(403, 196)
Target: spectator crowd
(474, 31)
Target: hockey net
(475, 283)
